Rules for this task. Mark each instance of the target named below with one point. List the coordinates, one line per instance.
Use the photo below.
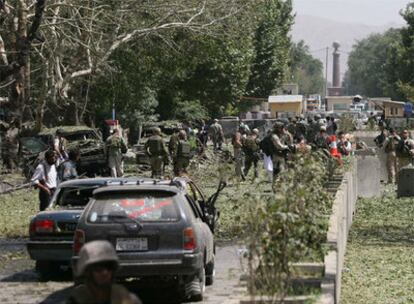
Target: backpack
(266, 145)
(184, 148)
(155, 146)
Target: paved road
(19, 283)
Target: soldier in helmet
(216, 135)
(157, 152)
(237, 142)
(97, 265)
(279, 148)
(321, 139)
(182, 154)
(251, 148)
(115, 146)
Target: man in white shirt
(45, 179)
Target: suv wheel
(47, 269)
(194, 290)
(210, 272)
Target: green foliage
(271, 48)
(306, 70)
(378, 261)
(369, 65)
(289, 225)
(189, 111)
(17, 209)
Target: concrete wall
(339, 225)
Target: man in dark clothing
(67, 170)
(321, 140)
(45, 179)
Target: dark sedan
(51, 231)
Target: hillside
(319, 33)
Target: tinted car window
(74, 196)
(146, 207)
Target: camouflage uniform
(114, 145)
(182, 157)
(390, 148)
(251, 150)
(238, 154)
(158, 154)
(119, 295)
(216, 134)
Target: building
(313, 103)
(285, 105)
(339, 103)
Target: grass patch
(379, 260)
(16, 210)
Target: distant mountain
(318, 33)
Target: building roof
(285, 98)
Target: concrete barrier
(339, 225)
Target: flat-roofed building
(285, 105)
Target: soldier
(321, 139)
(67, 170)
(157, 152)
(279, 149)
(390, 148)
(251, 148)
(115, 146)
(98, 263)
(172, 144)
(45, 179)
(237, 143)
(60, 145)
(216, 135)
(379, 140)
(405, 150)
(182, 154)
(11, 146)
(302, 147)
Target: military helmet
(95, 252)
(182, 134)
(156, 131)
(255, 131)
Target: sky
(370, 12)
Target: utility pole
(326, 71)
(326, 78)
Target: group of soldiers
(279, 145)
(399, 149)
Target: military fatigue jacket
(119, 295)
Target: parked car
(162, 231)
(51, 231)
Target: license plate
(67, 227)
(131, 244)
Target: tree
(370, 66)
(271, 48)
(306, 70)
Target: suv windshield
(145, 207)
(74, 196)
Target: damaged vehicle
(87, 140)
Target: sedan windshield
(145, 207)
